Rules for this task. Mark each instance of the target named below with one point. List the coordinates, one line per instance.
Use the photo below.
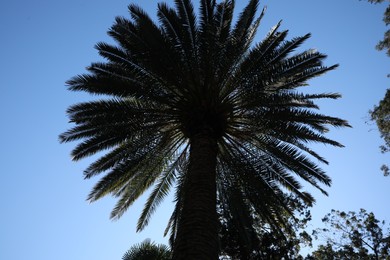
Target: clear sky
(44, 214)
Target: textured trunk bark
(197, 234)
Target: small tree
(353, 236)
(148, 250)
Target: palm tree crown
(148, 250)
(191, 102)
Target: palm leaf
(161, 189)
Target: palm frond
(173, 222)
(245, 21)
(187, 17)
(161, 189)
(122, 156)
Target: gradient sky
(44, 214)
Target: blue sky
(43, 43)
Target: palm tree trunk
(197, 234)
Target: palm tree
(191, 102)
(148, 250)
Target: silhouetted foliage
(385, 43)
(381, 116)
(191, 102)
(353, 236)
(266, 242)
(148, 250)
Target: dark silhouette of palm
(147, 250)
(192, 103)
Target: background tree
(381, 113)
(267, 242)
(192, 102)
(381, 116)
(353, 236)
(324, 252)
(385, 43)
(148, 250)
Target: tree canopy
(381, 112)
(385, 43)
(353, 235)
(381, 116)
(192, 102)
